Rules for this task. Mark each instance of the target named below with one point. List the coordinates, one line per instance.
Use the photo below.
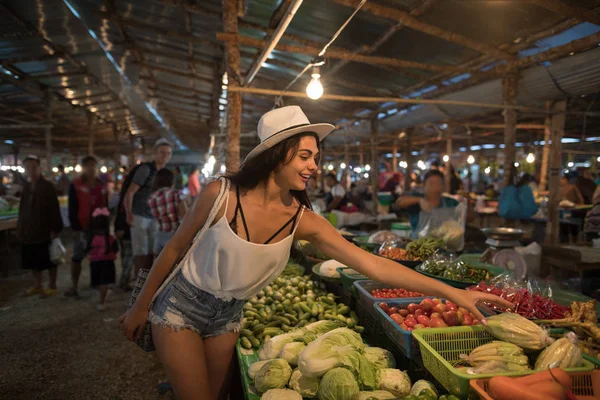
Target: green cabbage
(363, 369)
(375, 395)
(380, 357)
(338, 384)
(307, 387)
(329, 351)
(394, 381)
(290, 352)
(280, 394)
(274, 374)
(272, 347)
(421, 385)
(255, 367)
(321, 327)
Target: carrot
(561, 376)
(505, 388)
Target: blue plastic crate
(364, 306)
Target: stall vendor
(416, 203)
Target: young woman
(196, 319)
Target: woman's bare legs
(183, 357)
(219, 352)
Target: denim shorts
(181, 305)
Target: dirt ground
(62, 348)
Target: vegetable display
(525, 303)
(422, 249)
(289, 303)
(448, 268)
(497, 357)
(563, 353)
(386, 293)
(430, 313)
(395, 253)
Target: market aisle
(60, 348)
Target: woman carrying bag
(241, 231)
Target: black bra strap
(239, 205)
(291, 221)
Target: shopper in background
(167, 207)
(586, 186)
(102, 249)
(63, 182)
(86, 193)
(39, 222)
(336, 195)
(194, 184)
(570, 192)
(123, 234)
(139, 217)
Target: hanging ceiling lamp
(314, 90)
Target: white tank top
(229, 267)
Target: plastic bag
(380, 237)
(57, 251)
(445, 223)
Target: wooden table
(566, 261)
(8, 223)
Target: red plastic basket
(586, 386)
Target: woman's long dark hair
(259, 168)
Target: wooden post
(394, 157)
(448, 175)
(509, 94)
(558, 129)
(361, 156)
(90, 134)
(48, 132)
(117, 154)
(408, 160)
(132, 163)
(346, 155)
(234, 99)
(546, 149)
(374, 173)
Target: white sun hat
(277, 125)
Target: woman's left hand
(469, 300)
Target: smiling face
(295, 173)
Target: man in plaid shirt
(166, 206)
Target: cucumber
(343, 310)
(245, 342)
(246, 333)
(254, 341)
(258, 329)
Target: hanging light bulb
(517, 164)
(78, 168)
(471, 159)
(314, 90)
(103, 169)
(343, 165)
(570, 164)
(446, 158)
(530, 158)
(367, 167)
(487, 170)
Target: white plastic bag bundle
(57, 251)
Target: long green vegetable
(422, 249)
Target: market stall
(299, 340)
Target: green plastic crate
(566, 297)
(463, 285)
(593, 360)
(470, 257)
(247, 357)
(440, 347)
(349, 293)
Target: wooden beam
(501, 126)
(173, 86)
(48, 132)
(510, 85)
(546, 149)
(90, 134)
(415, 24)
(234, 98)
(558, 127)
(568, 10)
(379, 99)
(448, 174)
(334, 53)
(394, 156)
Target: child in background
(102, 253)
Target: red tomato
(410, 322)
(403, 326)
(403, 312)
(426, 306)
(418, 312)
(423, 320)
(397, 318)
(384, 306)
(412, 307)
(393, 310)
